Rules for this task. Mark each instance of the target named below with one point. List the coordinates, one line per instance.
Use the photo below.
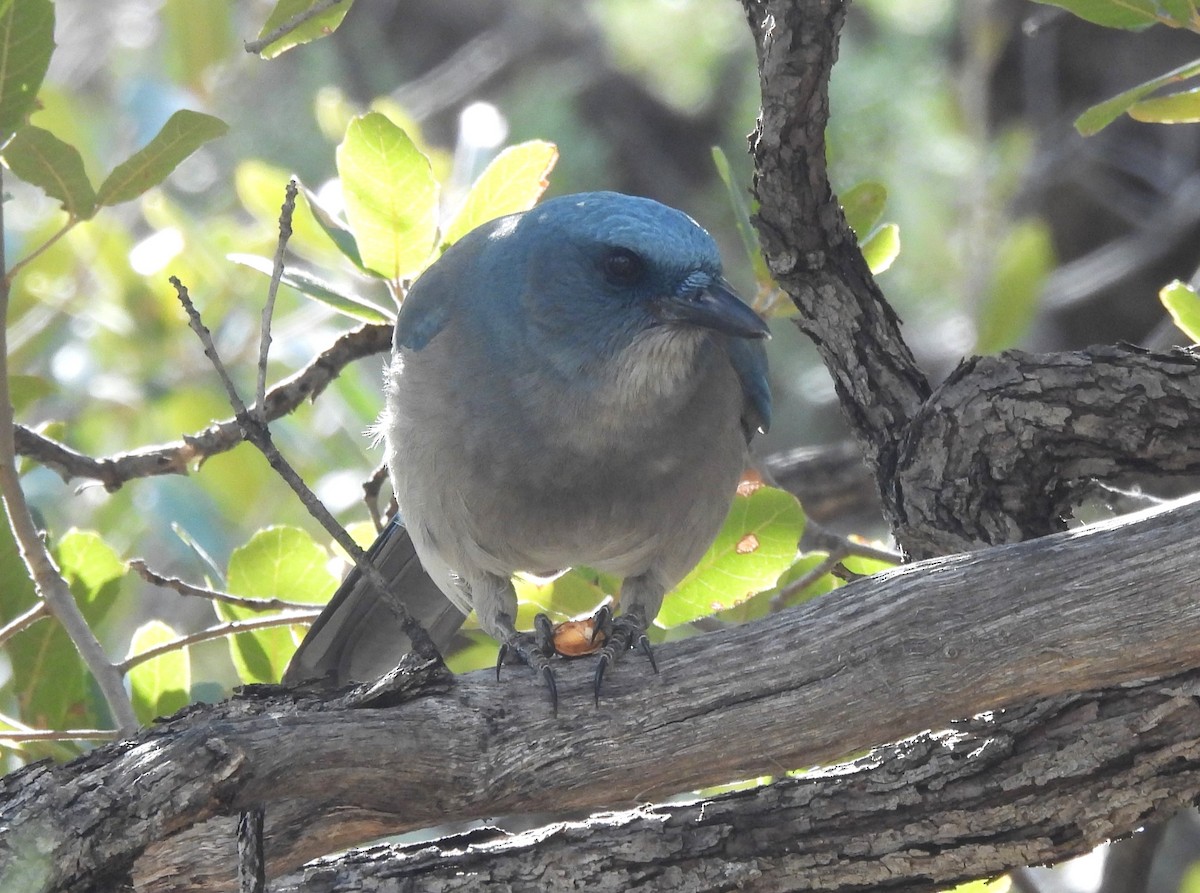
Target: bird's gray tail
(358, 638)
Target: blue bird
(573, 385)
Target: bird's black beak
(713, 306)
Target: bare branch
(38, 612)
(138, 566)
(178, 457)
(220, 631)
(49, 582)
(318, 8)
(264, 347)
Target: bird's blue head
(601, 268)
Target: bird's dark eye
(623, 267)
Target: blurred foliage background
(1016, 231)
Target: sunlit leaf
(1177, 108)
(161, 685)
(514, 181)
(320, 25)
(775, 598)
(337, 231)
(198, 36)
(576, 593)
(318, 289)
(863, 205)
(1183, 304)
(756, 544)
(1101, 115)
(881, 248)
(39, 157)
(92, 568)
(278, 562)
(184, 132)
(1023, 261)
(1001, 884)
(391, 197)
(26, 44)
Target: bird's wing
(358, 638)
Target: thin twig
(178, 457)
(256, 431)
(780, 600)
(11, 276)
(229, 628)
(138, 566)
(19, 738)
(47, 579)
(264, 346)
(318, 8)
(20, 622)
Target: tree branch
(875, 661)
(178, 457)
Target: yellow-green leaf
(1177, 108)
(757, 543)
(1102, 114)
(1023, 261)
(278, 562)
(318, 289)
(513, 182)
(184, 132)
(39, 157)
(26, 44)
(161, 685)
(881, 248)
(320, 25)
(863, 205)
(1183, 304)
(391, 197)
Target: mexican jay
(572, 385)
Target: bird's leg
(496, 606)
(640, 600)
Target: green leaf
(1131, 15)
(1178, 108)
(198, 37)
(161, 685)
(53, 686)
(338, 233)
(514, 181)
(391, 197)
(881, 248)
(1183, 304)
(319, 26)
(26, 44)
(1101, 115)
(184, 132)
(317, 289)
(741, 211)
(756, 544)
(762, 603)
(576, 593)
(1023, 261)
(278, 562)
(863, 205)
(28, 389)
(39, 157)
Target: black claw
(500, 659)
(602, 621)
(598, 678)
(644, 644)
(548, 676)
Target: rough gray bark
(989, 457)
(873, 662)
(997, 453)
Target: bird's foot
(534, 649)
(619, 633)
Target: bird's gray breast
(626, 466)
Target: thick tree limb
(1022, 786)
(872, 662)
(998, 451)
